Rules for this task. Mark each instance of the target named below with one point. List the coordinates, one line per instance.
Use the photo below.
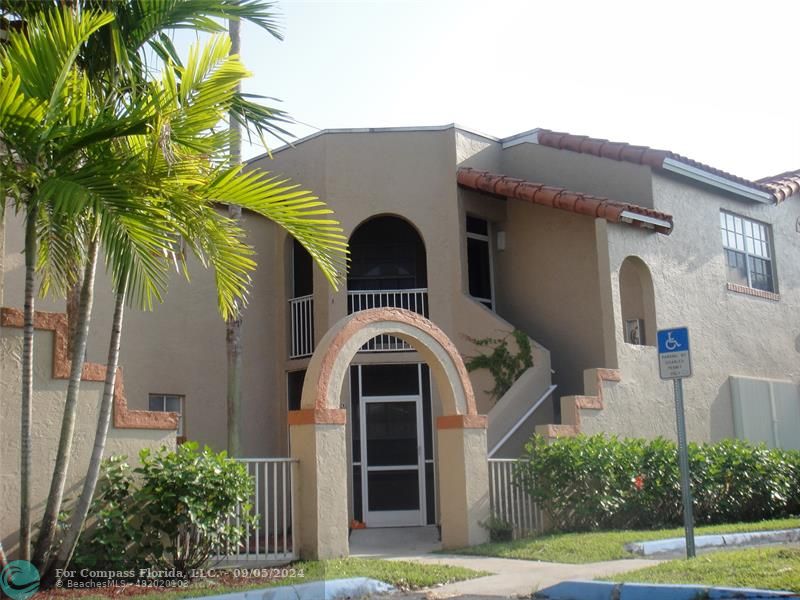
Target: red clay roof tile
(780, 186)
(560, 198)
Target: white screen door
(391, 450)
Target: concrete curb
(355, 587)
(713, 541)
(603, 590)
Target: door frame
(395, 518)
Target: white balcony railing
(302, 331)
(415, 300)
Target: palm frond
(46, 53)
(143, 19)
(297, 211)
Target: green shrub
(172, 512)
(500, 529)
(111, 540)
(584, 483)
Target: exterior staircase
(572, 407)
(513, 417)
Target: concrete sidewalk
(514, 577)
(510, 577)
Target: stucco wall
(731, 333)
(48, 408)
(614, 179)
(179, 346)
(546, 284)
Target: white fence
(510, 502)
(270, 539)
(415, 300)
(302, 318)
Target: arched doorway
(319, 441)
(637, 302)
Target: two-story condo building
(585, 245)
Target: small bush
(586, 483)
(500, 529)
(171, 512)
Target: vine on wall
(504, 365)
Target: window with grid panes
(748, 252)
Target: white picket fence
(271, 538)
(510, 502)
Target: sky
(714, 81)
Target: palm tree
(30, 121)
(233, 325)
(189, 173)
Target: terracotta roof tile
(782, 185)
(777, 186)
(560, 198)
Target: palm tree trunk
(25, 465)
(73, 308)
(47, 531)
(234, 324)
(78, 518)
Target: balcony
(302, 318)
(415, 300)
(301, 311)
(387, 270)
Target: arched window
(386, 253)
(637, 300)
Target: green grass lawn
(401, 574)
(598, 546)
(767, 568)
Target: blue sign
(673, 340)
(674, 361)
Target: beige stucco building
(587, 246)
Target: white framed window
(169, 403)
(748, 252)
(479, 261)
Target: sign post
(674, 362)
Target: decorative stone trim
(390, 316)
(571, 406)
(557, 431)
(124, 418)
(743, 289)
(462, 422)
(316, 416)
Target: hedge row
(597, 482)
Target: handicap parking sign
(674, 360)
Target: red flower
(638, 482)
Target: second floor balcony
(387, 270)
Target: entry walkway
(394, 542)
(510, 577)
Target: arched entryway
(319, 441)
